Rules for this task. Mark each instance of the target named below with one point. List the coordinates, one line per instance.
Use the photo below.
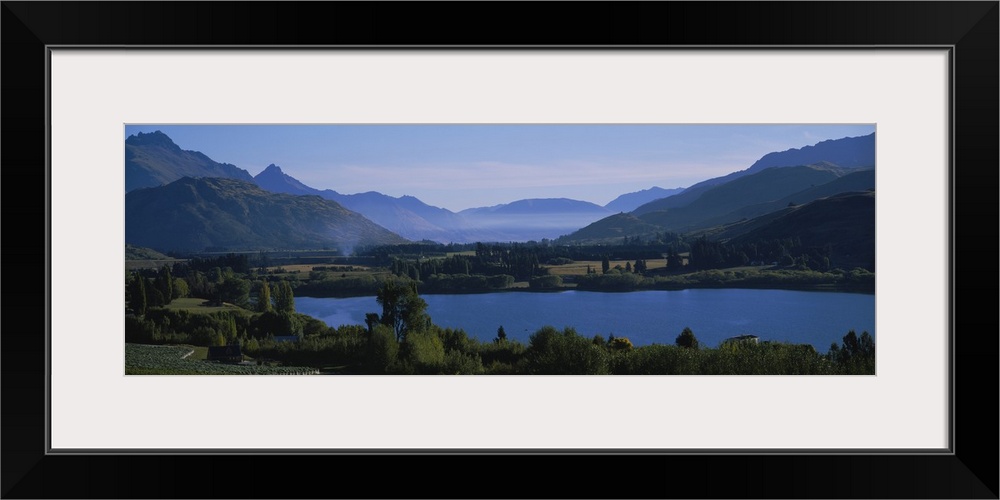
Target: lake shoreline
(645, 317)
(823, 287)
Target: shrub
(542, 282)
(564, 353)
(382, 349)
(687, 339)
(424, 351)
(620, 344)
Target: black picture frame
(971, 28)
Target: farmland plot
(174, 360)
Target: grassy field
(579, 268)
(333, 271)
(198, 353)
(194, 305)
(133, 265)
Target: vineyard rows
(171, 360)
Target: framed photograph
(926, 90)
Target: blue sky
(464, 166)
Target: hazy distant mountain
(540, 206)
(406, 215)
(221, 219)
(153, 160)
(535, 219)
(762, 187)
(630, 201)
(610, 230)
(849, 152)
(746, 197)
(227, 214)
(857, 180)
(522, 220)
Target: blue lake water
(645, 317)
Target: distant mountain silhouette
(631, 201)
(540, 206)
(610, 230)
(746, 197)
(855, 180)
(215, 217)
(536, 218)
(154, 160)
(762, 187)
(227, 214)
(849, 152)
(406, 215)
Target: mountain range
(522, 220)
(153, 160)
(849, 152)
(406, 215)
(741, 199)
(183, 200)
(214, 213)
(631, 201)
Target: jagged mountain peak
(153, 159)
(155, 138)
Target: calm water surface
(645, 317)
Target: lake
(645, 317)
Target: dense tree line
(152, 289)
(708, 254)
(239, 263)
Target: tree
(165, 284)
(628, 267)
(866, 345)
(687, 339)
(371, 320)
(381, 350)
(640, 266)
(229, 330)
(855, 355)
(180, 288)
(501, 336)
(154, 297)
(620, 344)
(263, 297)
(284, 299)
(605, 264)
(402, 309)
(137, 295)
(233, 290)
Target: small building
(225, 354)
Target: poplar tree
(264, 297)
(137, 299)
(284, 300)
(165, 284)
